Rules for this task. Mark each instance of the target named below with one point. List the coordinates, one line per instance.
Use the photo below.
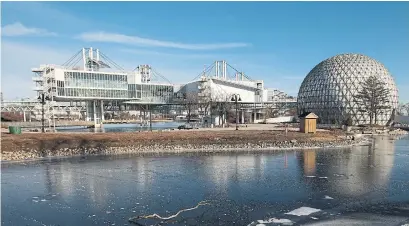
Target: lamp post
(236, 98)
(42, 98)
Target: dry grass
(54, 141)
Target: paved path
(274, 127)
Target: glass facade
(110, 86)
(156, 93)
(330, 87)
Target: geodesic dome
(329, 88)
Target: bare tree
(222, 106)
(273, 110)
(406, 108)
(188, 101)
(269, 111)
(372, 98)
(204, 104)
(403, 109)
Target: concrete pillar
(102, 111)
(94, 112)
(24, 116)
(140, 113)
(254, 116)
(90, 111)
(242, 117)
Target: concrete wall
(192, 87)
(59, 74)
(276, 120)
(220, 91)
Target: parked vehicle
(187, 126)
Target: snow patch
(310, 176)
(303, 211)
(323, 177)
(275, 220)
(328, 197)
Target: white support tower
(146, 73)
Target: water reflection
(350, 173)
(113, 128)
(116, 187)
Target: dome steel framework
(329, 89)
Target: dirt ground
(40, 141)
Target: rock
(294, 141)
(357, 136)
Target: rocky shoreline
(179, 144)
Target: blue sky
(279, 42)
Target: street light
(236, 98)
(42, 98)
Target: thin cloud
(165, 54)
(17, 61)
(18, 29)
(135, 40)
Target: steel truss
(329, 89)
(24, 106)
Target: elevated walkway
(57, 124)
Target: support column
(90, 111)
(254, 116)
(242, 117)
(102, 111)
(140, 113)
(24, 116)
(94, 113)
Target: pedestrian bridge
(50, 124)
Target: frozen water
(303, 211)
(244, 187)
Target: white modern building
(217, 86)
(93, 81)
